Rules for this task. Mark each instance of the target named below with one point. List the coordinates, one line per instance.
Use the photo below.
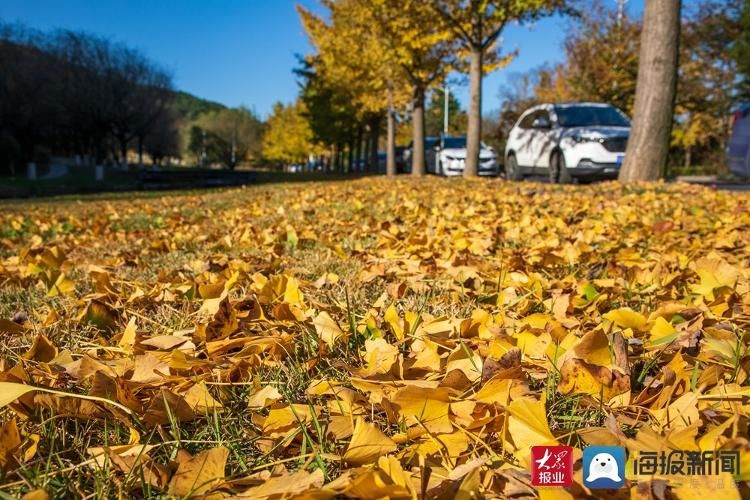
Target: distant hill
(190, 107)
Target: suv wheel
(558, 171)
(512, 170)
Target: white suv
(576, 141)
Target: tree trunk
(124, 150)
(417, 157)
(374, 137)
(474, 132)
(648, 146)
(140, 152)
(358, 151)
(366, 148)
(351, 154)
(390, 161)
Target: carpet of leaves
(371, 338)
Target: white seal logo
(603, 465)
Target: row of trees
(602, 59)
(228, 136)
(601, 64)
(379, 58)
(404, 48)
(71, 94)
(289, 137)
(78, 94)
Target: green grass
(116, 184)
(80, 179)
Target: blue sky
(243, 51)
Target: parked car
(447, 156)
(738, 146)
(403, 160)
(403, 166)
(573, 141)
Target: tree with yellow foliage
(477, 25)
(375, 84)
(288, 138)
(420, 48)
(601, 60)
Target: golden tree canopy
(288, 136)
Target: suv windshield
(454, 142)
(585, 116)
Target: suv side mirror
(541, 123)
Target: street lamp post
(446, 95)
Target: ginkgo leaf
(626, 318)
(662, 331)
(368, 444)
(10, 442)
(391, 317)
(198, 474)
(424, 406)
(8, 327)
(286, 486)
(379, 356)
(681, 413)
(262, 398)
(200, 400)
(579, 377)
(149, 368)
(469, 364)
(527, 427)
(62, 286)
(281, 420)
(42, 350)
(593, 348)
(127, 340)
(328, 330)
(10, 391)
(99, 315)
(714, 273)
(451, 445)
(37, 494)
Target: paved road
(727, 185)
(708, 182)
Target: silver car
(738, 147)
